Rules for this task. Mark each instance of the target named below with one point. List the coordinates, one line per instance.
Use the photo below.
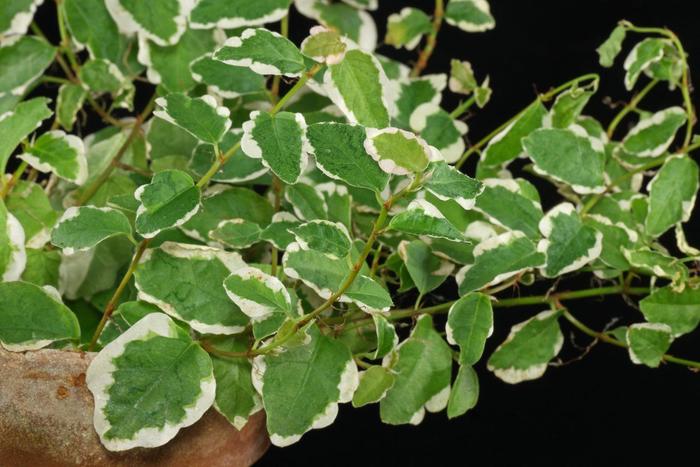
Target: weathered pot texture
(46, 420)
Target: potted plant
(279, 228)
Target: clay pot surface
(46, 420)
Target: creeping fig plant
(280, 227)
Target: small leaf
(22, 61)
(30, 205)
(439, 130)
(339, 151)
(446, 182)
(386, 336)
(257, 294)
(408, 94)
(612, 46)
(648, 342)
(301, 388)
(462, 80)
(124, 317)
(423, 374)
(527, 350)
(652, 136)
(498, 259)
(231, 15)
(569, 105)
(568, 243)
(470, 15)
(70, 100)
(329, 238)
(398, 151)
(422, 218)
(13, 256)
(375, 382)
(656, 263)
(236, 233)
(185, 281)
(358, 86)
(201, 116)
(324, 45)
(427, 270)
(406, 28)
(279, 232)
(32, 317)
(356, 24)
(102, 76)
(641, 57)
(679, 310)
(464, 393)
(170, 200)
(62, 154)
(469, 324)
(81, 228)
(161, 21)
(513, 204)
(149, 383)
(672, 194)
(506, 145)
(307, 201)
(280, 140)
(265, 52)
(17, 124)
(568, 155)
(226, 80)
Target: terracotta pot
(46, 420)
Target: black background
(597, 410)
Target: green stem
(7, 187)
(463, 107)
(297, 86)
(112, 304)
(54, 79)
(631, 106)
(541, 98)
(431, 40)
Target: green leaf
(170, 200)
(185, 281)
(527, 350)
(398, 151)
(42, 267)
(612, 46)
(265, 52)
(426, 269)
(409, 94)
(498, 259)
(568, 243)
(405, 29)
(236, 233)
(513, 204)
(470, 15)
(462, 80)
(648, 342)
(325, 275)
(569, 156)
(238, 169)
(257, 294)
(301, 388)
(307, 201)
(569, 105)
(641, 57)
(330, 238)
(59, 153)
(100, 75)
(166, 139)
(339, 151)
(124, 317)
(616, 238)
(236, 398)
(280, 140)
(356, 24)
(230, 15)
(202, 117)
(149, 383)
(375, 382)
(170, 66)
(506, 145)
(464, 393)
(652, 135)
(13, 256)
(386, 336)
(422, 218)
(19, 123)
(225, 80)
(15, 16)
(22, 61)
(70, 100)
(161, 21)
(469, 324)
(358, 86)
(32, 317)
(672, 194)
(324, 45)
(81, 228)
(423, 375)
(29, 204)
(439, 130)
(279, 232)
(679, 310)
(446, 182)
(656, 263)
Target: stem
(462, 108)
(13, 180)
(102, 178)
(297, 86)
(611, 340)
(54, 79)
(65, 40)
(431, 40)
(541, 98)
(112, 304)
(631, 106)
(277, 190)
(284, 30)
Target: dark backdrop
(600, 409)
